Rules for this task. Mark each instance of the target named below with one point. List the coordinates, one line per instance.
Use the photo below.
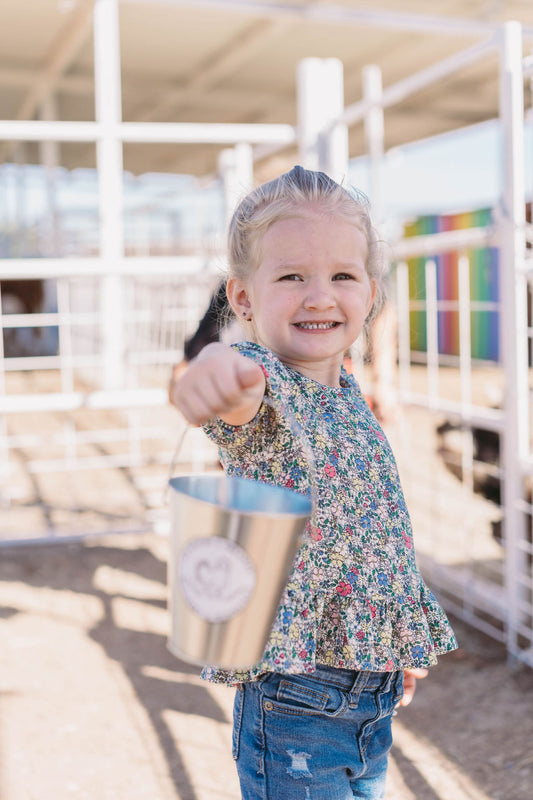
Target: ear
(238, 297)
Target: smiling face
(310, 294)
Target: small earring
(245, 315)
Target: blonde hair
(288, 196)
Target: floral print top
(355, 598)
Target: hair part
(291, 195)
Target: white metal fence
(87, 433)
(78, 457)
(468, 490)
(466, 449)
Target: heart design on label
(217, 578)
(213, 576)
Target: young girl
(312, 720)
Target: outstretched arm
(219, 382)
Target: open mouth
(316, 326)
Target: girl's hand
(219, 382)
(410, 677)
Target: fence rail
(77, 457)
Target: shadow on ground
(474, 715)
(73, 567)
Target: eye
(290, 277)
(344, 276)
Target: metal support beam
(342, 15)
(322, 139)
(513, 320)
(50, 158)
(403, 89)
(42, 268)
(108, 112)
(150, 132)
(375, 136)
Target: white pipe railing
(515, 440)
(35, 268)
(401, 90)
(149, 132)
(445, 242)
(432, 334)
(343, 15)
(70, 401)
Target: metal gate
(465, 442)
(97, 409)
(77, 457)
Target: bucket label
(217, 578)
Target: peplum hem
(385, 647)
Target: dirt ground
(94, 706)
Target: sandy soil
(94, 705)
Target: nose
(319, 295)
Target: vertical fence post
(108, 112)
(465, 366)
(5, 466)
(465, 333)
(49, 157)
(432, 332)
(375, 136)
(404, 332)
(323, 141)
(513, 319)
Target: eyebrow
(341, 265)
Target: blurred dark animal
(486, 461)
(486, 455)
(29, 293)
(217, 315)
(21, 297)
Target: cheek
(362, 297)
(280, 304)
(366, 299)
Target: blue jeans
(324, 736)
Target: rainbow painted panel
(484, 288)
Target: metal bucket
(233, 543)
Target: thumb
(417, 672)
(249, 373)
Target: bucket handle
(174, 461)
(296, 428)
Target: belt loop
(390, 681)
(361, 679)
(393, 682)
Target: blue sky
(453, 172)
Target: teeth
(313, 326)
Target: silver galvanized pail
(233, 543)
